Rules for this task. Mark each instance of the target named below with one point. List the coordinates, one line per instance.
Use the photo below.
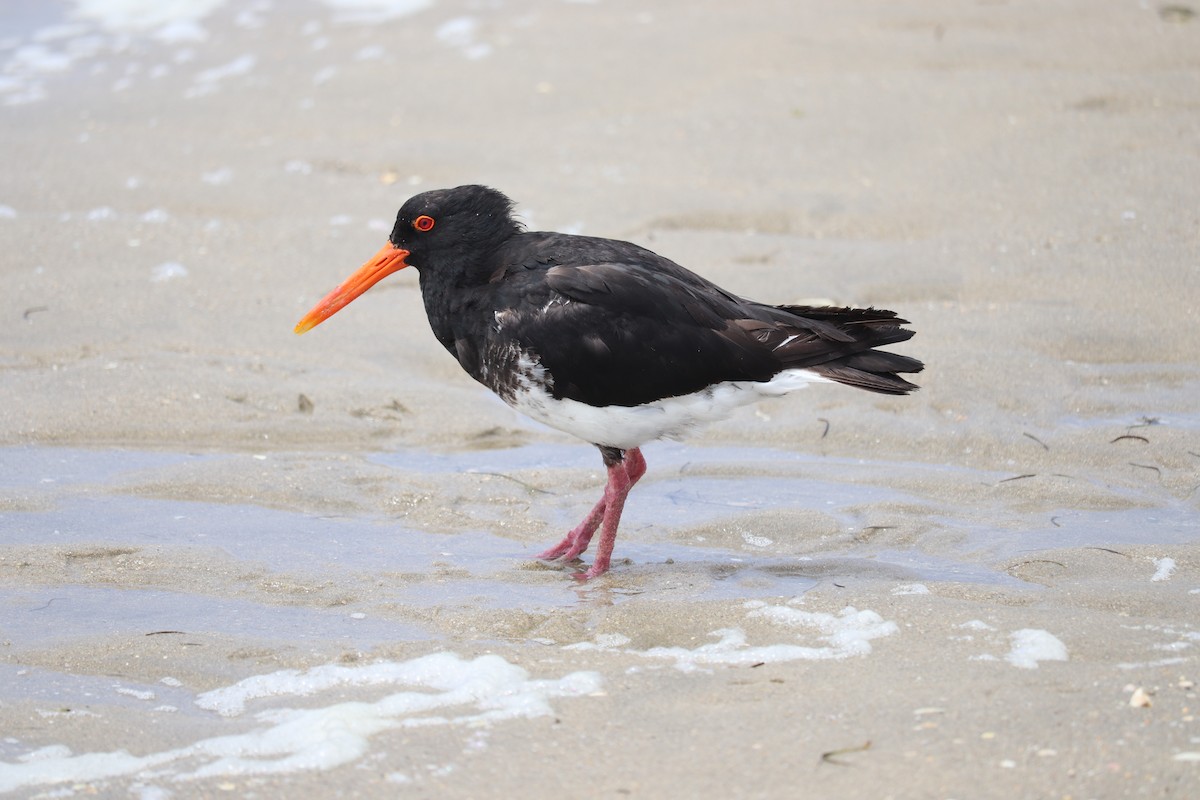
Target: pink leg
(624, 470)
(635, 468)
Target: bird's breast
(503, 366)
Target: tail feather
(879, 361)
(849, 356)
(881, 382)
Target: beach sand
(238, 561)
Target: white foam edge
(845, 634)
(291, 740)
(1029, 646)
(1164, 568)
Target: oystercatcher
(608, 341)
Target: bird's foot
(570, 548)
(589, 573)
(554, 553)
(577, 540)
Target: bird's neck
(450, 292)
(455, 284)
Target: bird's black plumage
(613, 323)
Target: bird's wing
(626, 334)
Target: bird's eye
(423, 222)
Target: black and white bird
(607, 340)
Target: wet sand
(237, 560)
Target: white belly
(625, 427)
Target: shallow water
(46, 616)
(79, 503)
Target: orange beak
(389, 259)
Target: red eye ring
(423, 223)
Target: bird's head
(442, 229)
